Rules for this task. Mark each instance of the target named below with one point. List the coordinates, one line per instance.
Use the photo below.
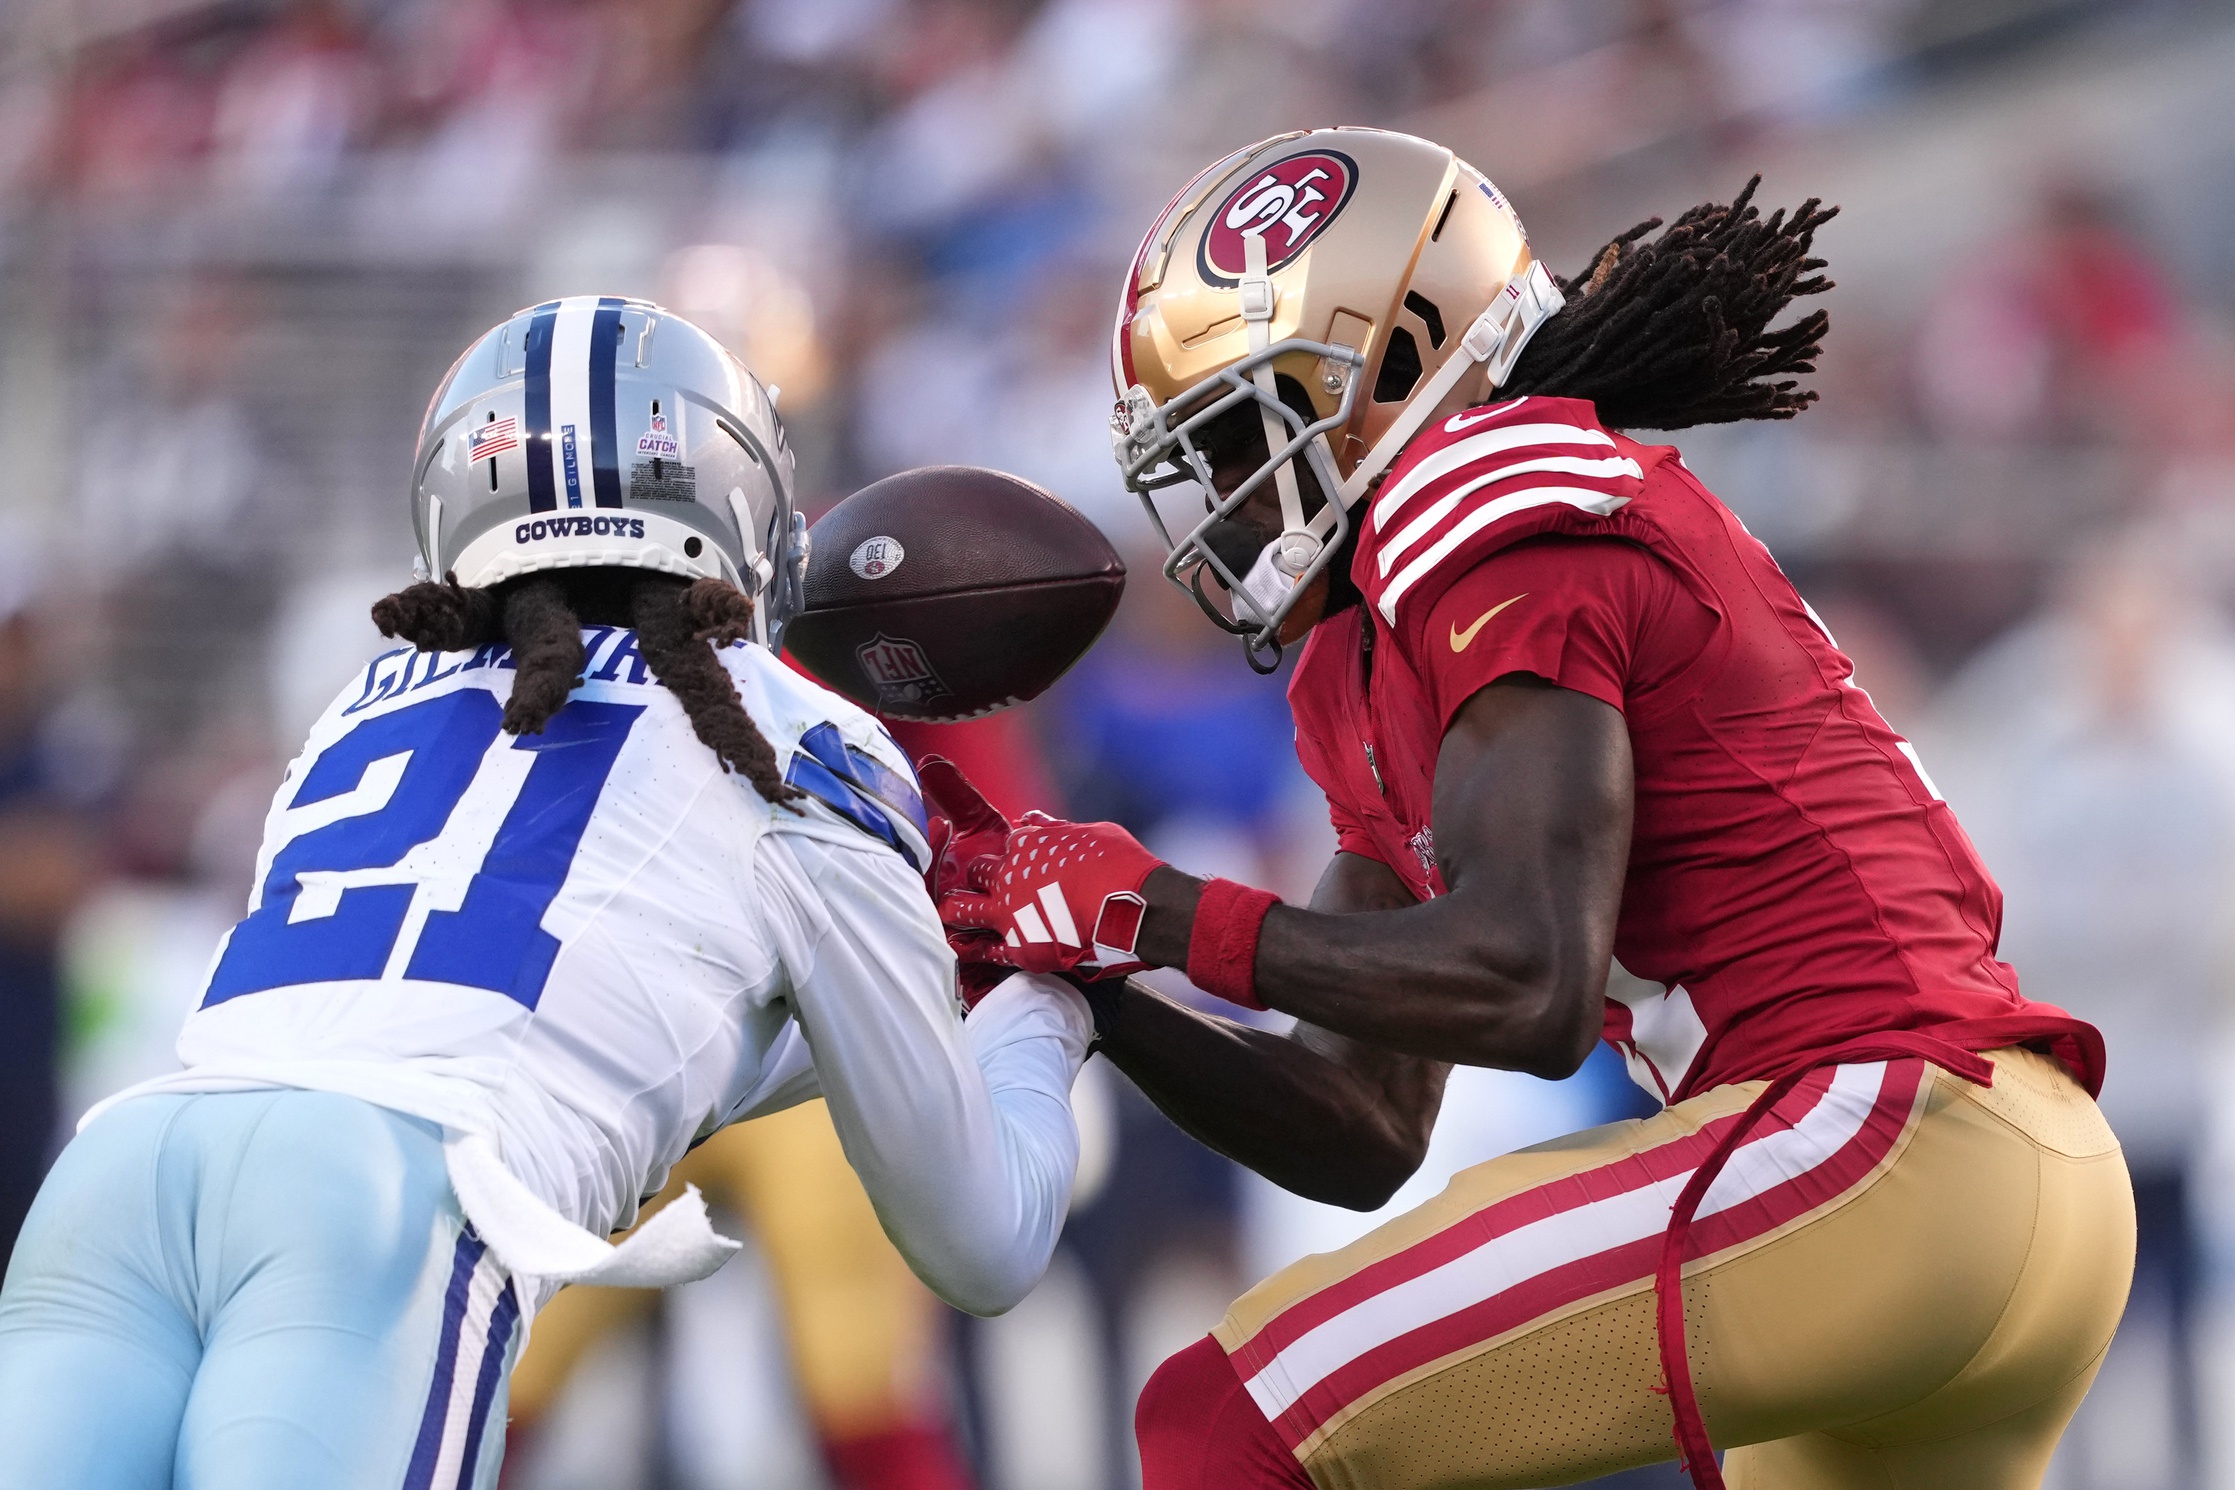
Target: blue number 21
(495, 938)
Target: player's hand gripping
(964, 826)
(964, 829)
(1059, 897)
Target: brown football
(948, 592)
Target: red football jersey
(1795, 880)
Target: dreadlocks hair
(678, 624)
(546, 638)
(1675, 332)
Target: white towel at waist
(678, 1245)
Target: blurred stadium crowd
(239, 243)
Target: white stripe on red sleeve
(1456, 457)
(1599, 503)
(1565, 465)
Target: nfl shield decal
(1290, 202)
(658, 442)
(897, 668)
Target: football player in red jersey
(1565, 709)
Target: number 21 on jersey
(413, 849)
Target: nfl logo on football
(898, 670)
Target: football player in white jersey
(578, 877)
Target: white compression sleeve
(962, 1134)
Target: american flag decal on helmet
(494, 439)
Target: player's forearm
(962, 1135)
(964, 1141)
(1532, 816)
(1447, 979)
(1028, 1046)
(1269, 1102)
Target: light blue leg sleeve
(347, 1304)
(350, 1331)
(97, 1355)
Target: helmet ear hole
(1292, 394)
(1421, 306)
(1400, 368)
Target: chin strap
(1497, 337)
(799, 548)
(1299, 542)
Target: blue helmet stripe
(605, 448)
(542, 495)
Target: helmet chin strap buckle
(1294, 551)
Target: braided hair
(678, 625)
(1675, 331)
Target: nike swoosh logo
(1458, 422)
(1459, 639)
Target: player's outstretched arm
(1312, 1111)
(962, 1135)
(1534, 788)
(1532, 821)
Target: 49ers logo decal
(1290, 201)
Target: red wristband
(1222, 951)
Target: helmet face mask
(1162, 445)
(600, 431)
(1375, 275)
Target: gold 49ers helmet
(1378, 272)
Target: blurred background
(240, 243)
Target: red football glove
(1061, 897)
(965, 828)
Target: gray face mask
(1156, 446)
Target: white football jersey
(595, 945)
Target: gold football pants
(862, 1331)
(1900, 1281)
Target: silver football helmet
(599, 430)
